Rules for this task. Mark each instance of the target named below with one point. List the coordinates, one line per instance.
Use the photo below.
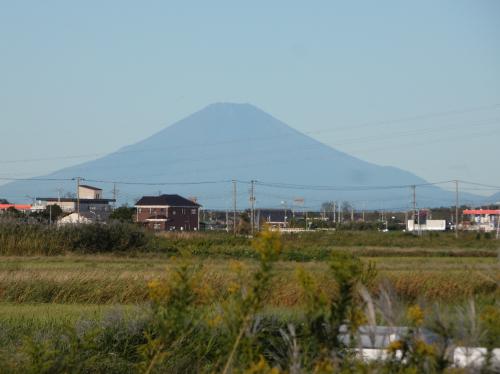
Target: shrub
(38, 239)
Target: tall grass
(78, 280)
(192, 326)
(37, 239)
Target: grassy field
(43, 294)
(111, 279)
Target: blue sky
(410, 84)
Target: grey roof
(166, 200)
(74, 199)
(91, 187)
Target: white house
(74, 219)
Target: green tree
(13, 212)
(123, 214)
(52, 212)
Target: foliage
(186, 329)
(49, 215)
(205, 316)
(123, 214)
(23, 238)
(36, 239)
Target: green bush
(38, 239)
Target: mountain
(495, 198)
(226, 141)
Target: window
(193, 211)
(173, 212)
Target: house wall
(87, 193)
(185, 218)
(143, 213)
(66, 206)
(177, 217)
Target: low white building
(74, 219)
(426, 225)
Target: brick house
(167, 212)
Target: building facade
(20, 207)
(167, 213)
(89, 201)
(482, 219)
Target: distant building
(91, 202)
(21, 207)
(167, 212)
(278, 218)
(482, 219)
(89, 192)
(426, 225)
(75, 218)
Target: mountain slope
(227, 141)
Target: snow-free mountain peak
(226, 141)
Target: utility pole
(78, 197)
(456, 208)
(414, 188)
(498, 225)
(352, 213)
(252, 206)
(227, 220)
(418, 219)
(115, 193)
(234, 207)
(284, 216)
(334, 213)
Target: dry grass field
(108, 279)
(56, 304)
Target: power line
(35, 179)
(368, 124)
(158, 183)
(261, 183)
(345, 188)
(480, 184)
(280, 185)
